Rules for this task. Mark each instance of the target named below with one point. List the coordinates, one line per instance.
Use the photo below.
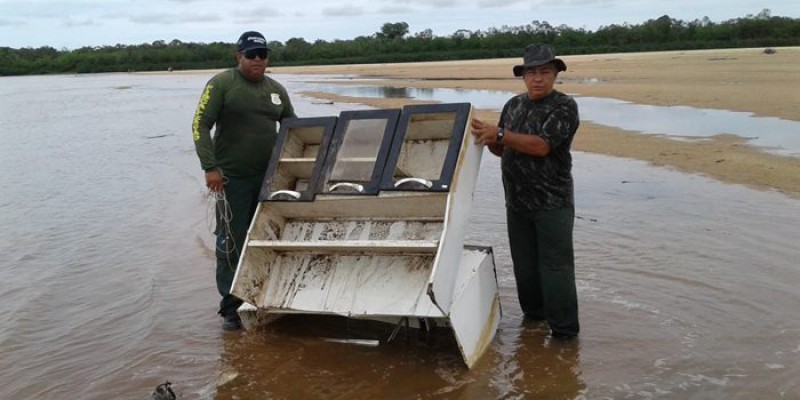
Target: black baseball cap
(251, 40)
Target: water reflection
(774, 135)
(393, 92)
(524, 363)
(529, 364)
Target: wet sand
(744, 80)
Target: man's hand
(484, 132)
(214, 181)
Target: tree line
(394, 43)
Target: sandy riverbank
(735, 79)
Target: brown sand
(735, 79)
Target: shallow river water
(688, 287)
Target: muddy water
(687, 287)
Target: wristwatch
(500, 134)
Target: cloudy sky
(76, 23)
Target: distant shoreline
(744, 80)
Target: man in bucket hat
(245, 106)
(533, 138)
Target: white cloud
(266, 12)
(172, 19)
(342, 11)
(500, 3)
(441, 3)
(8, 22)
(395, 10)
(72, 23)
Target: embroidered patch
(276, 99)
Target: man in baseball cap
(244, 107)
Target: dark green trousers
(544, 266)
(233, 221)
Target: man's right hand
(214, 180)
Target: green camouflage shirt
(540, 183)
(246, 114)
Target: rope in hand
(222, 215)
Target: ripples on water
(688, 287)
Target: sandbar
(746, 80)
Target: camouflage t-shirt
(540, 183)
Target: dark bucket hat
(539, 54)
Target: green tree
(296, 49)
(393, 31)
(391, 44)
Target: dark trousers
(544, 266)
(233, 221)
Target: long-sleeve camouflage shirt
(540, 183)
